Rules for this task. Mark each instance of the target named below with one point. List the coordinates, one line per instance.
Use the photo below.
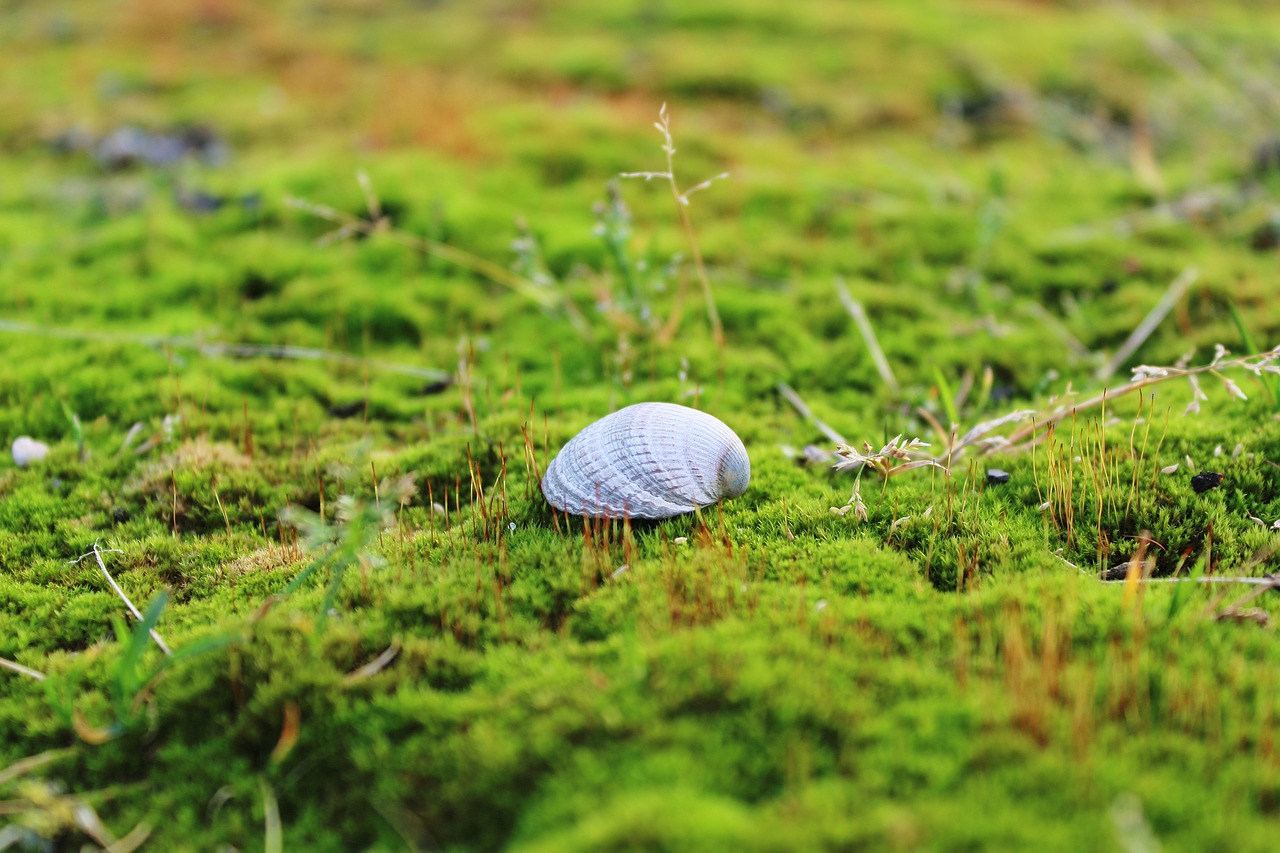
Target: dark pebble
(1205, 481)
(347, 410)
(1266, 236)
(1118, 572)
(129, 146)
(996, 477)
(199, 201)
(435, 387)
(1266, 157)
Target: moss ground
(1008, 187)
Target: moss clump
(451, 666)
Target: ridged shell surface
(650, 460)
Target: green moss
(768, 675)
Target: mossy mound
(305, 296)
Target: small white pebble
(680, 540)
(620, 571)
(511, 526)
(1170, 469)
(27, 450)
(1217, 451)
(1276, 526)
(821, 605)
(1044, 506)
(928, 512)
(1237, 450)
(1191, 466)
(437, 509)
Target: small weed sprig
(613, 227)
(351, 538)
(663, 124)
(529, 262)
(893, 458)
(377, 222)
(129, 681)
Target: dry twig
(5, 663)
(1177, 288)
(800, 406)
(97, 553)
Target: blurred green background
(1007, 186)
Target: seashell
(27, 450)
(650, 461)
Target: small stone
(27, 450)
(1206, 480)
(996, 477)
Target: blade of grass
(947, 396)
(273, 828)
(860, 318)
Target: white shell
(27, 450)
(650, 460)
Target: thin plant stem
(663, 124)
(227, 350)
